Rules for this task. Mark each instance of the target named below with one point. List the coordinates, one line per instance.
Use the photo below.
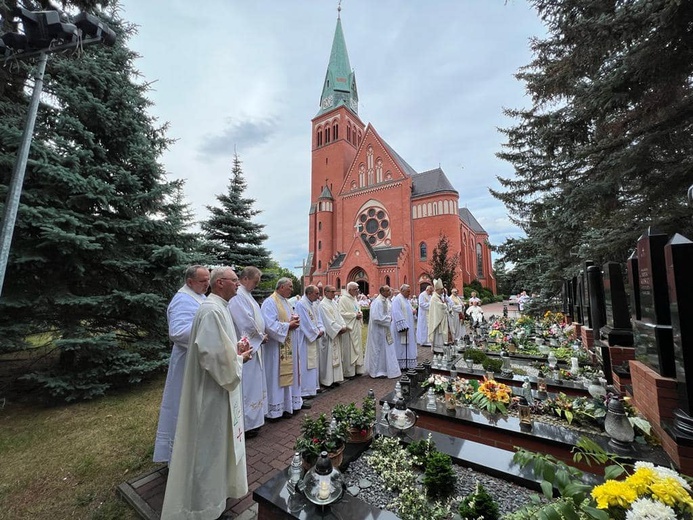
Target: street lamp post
(42, 29)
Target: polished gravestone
(678, 255)
(654, 344)
(598, 318)
(618, 329)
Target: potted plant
(317, 435)
(359, 421)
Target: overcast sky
(433, 77)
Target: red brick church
(373, 218)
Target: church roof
(340, 81)
(337, 262)
(403, 165)
(469, 219)
(387, 255)
(432, 181)
(326, 193)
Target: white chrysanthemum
(647, 509)
(663, 472)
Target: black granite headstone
(586, 312)
(575, 313)
(598, 318)
(634, 282)
(654, 344)
(617, 330)
(678, 255)
(580, 298)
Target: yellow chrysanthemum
(641, 480)
(614, 493)
(670, 492)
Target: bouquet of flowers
(464, 389)
(650, 492)
(438, 382)
(492, 396)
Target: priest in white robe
(180, 314)
(250, 324)
(330, 344)
(456, 306)
(352, 343)
(381, 357)
(309, 331)
(280, 360)
(403, 329)
(438, 330)
(208, 463)
(422, 316)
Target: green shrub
(477, 355)
(439, 476)
(492, 364)
(478, 504)
(421, 450)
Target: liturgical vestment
(181, 312)
(422, 319)
(381, 358)
(249, 323)
(437, 321)
(307, 345)
(403, 332)
(208, 463)
(352, 343)
(330, 345)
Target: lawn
(66, 462)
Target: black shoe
(273, 419)
(306, 406)
(252, 433)
(307, 397)
(287, 415)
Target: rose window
(374, 226)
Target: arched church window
(319, 136)
(335, 131)
(319, 264)
(440, 207)
(319, 226)
(435, 208)
(369, 159)
(327, 135)
(349, 133)
(319, 245)
(362, 175)
(430, 208)
(358, 141)
(387, 280)
(423, 251)
(379, 170)
(479, 262)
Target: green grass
(66, 462)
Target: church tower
(337, 132)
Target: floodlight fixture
(44, 28)
(91, 26)
(14, 41)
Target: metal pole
(15, 187)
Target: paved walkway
(273, 448)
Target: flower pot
(358, 436)
(336, 458)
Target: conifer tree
(606, 148)
(443, 263)
(100, 239)
(232, 236)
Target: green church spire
(340, 80)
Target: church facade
(373, 219)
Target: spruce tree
(606, 149)
(100, 239)
(232, 236)
(443, 263)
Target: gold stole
(312, 347)
(286, 355)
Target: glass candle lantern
(596, 390)
(323, 484)
(427, 366)
(541, 386)
(470, 364)
(405, 385)
(551, 360)
(525, 413)
(401, 418)
(450, 400)
(431, 399)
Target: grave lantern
(405, 385)
(541, 386)
(618, 427)
(525, 413)
(323, 483)
(596, 390)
